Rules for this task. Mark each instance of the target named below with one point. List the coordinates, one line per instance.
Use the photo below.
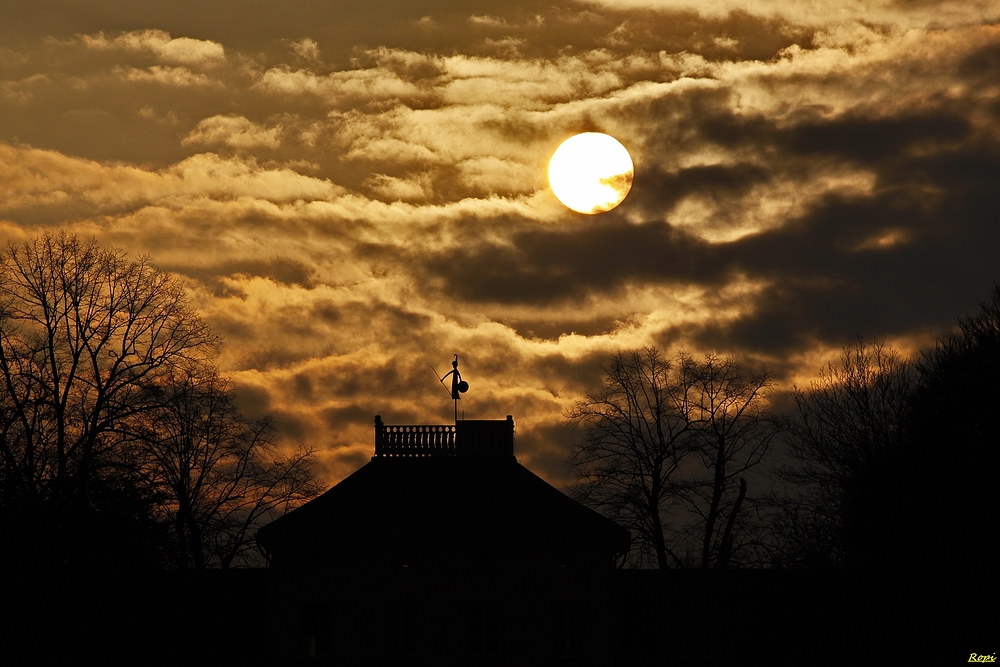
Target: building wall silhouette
(443, 550)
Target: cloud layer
(352, 201)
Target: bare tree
(735, 431)
(633, 445)
(667, 440)
(218, 474)
(84, 333)
(111, 415)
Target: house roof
(492, 496)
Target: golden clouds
(878, 71)
(950, 13)
(182, 50)
(350, 208)
(406, 76)
(490, 175)
(167, 76)
(410, 189)
(39, 178)
(20, 91)
(307, 48)
(488, 21)
(235, 131)
(342, 88)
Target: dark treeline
(898, 457)
(120, 444)
(892, 459)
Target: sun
(591, 172)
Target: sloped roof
(445, 495)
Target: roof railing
(413, 441)
(480, 438)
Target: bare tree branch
(662, 443)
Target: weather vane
(458, 385)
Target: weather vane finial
(458, 385)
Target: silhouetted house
(443, 550)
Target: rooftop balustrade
(413, 441)
(479, 438)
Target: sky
(353, 192)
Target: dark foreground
(676, 618)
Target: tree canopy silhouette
(850, 424)
(92, 346)
(897, 458)
(955, 442)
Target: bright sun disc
(591, 172)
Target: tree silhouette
(955, 444)
(84, 334)
(735, 431)
(217, 474)
(668, 440)
(93, 349)
(851, 424)
(897, 459)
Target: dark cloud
(292, 425)
(827, 285)
(872, 140)
(545, 448)
(339, 417)
(575, 376)
(981, 66)
(545, 328)
(658, 190)
(282, 270)
(549, 266)
(255, 402)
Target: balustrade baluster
(414, 441)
